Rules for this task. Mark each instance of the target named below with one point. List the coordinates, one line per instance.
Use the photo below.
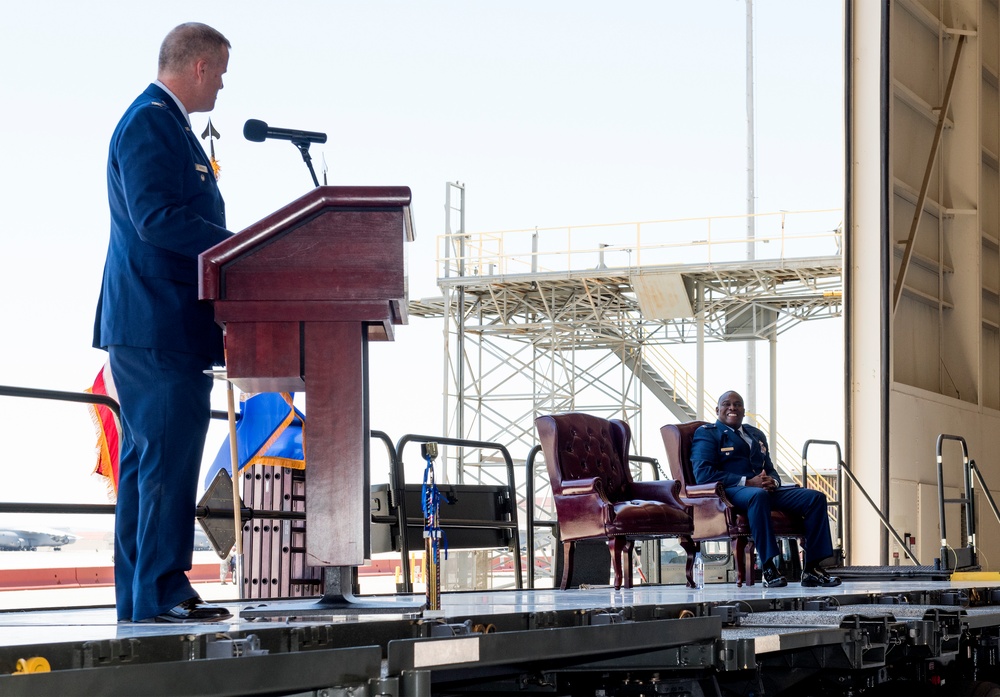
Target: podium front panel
(337, 255)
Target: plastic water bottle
(699, 571)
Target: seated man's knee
(816, 498)
(812, 502)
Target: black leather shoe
(772, 576)
(193, 610)
(817, 577)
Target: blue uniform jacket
(165, 210)
(719, 454)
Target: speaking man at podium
(165, 209)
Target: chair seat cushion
(639, 517)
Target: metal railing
(531, 522)
(511, 526)
(838, 504)
(708, 240)
(967, 501)
(60, 396)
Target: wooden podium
(299, 295)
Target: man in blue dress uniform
(736, 454)
(165, 209)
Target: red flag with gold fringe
(108, 430)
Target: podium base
(338, 599)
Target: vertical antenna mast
(751, 395)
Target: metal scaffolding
(543, 321)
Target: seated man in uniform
(736, 454)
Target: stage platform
(863, 632)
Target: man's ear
(200, 69)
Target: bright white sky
(555, 113)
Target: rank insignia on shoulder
(726, 450)
(159, 104)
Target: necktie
(744, 436)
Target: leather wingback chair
(596, 497)
(714, 515)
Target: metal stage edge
(720, 640)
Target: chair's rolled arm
(582, 515)
(576, 487)
(704, 491)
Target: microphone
(257, 131)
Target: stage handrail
(399, 477)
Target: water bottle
(699, 571)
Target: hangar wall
(922, 293)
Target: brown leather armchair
(596, 497)
(714, 515)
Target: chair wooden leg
(691, 548)
(751, 548)
(615, 544)
(627, 561)
(739, 553)
(567, 564)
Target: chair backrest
(677, 441)
(582, 446)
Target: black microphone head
(255, 130)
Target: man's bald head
(731, 409)
(188, 42)
(193, 59)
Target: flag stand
(235, 458)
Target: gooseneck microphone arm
(257, 131)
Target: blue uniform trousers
(757, 505)
(165, 407)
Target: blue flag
(269, 432)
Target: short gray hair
(188, 42)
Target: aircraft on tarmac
(30, 539)
(10, 540)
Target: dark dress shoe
(772, 577)
(818, 578)
(194, 610)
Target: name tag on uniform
(727, 450)
(201, 168)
